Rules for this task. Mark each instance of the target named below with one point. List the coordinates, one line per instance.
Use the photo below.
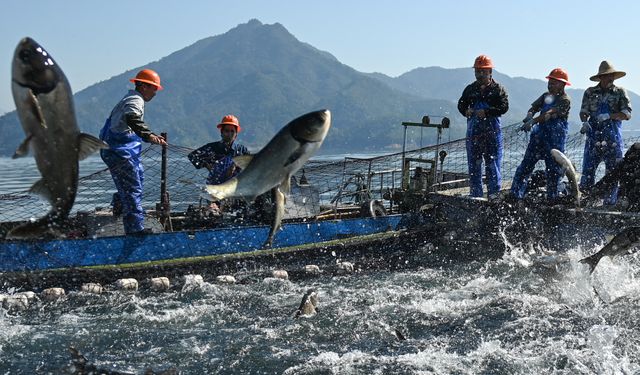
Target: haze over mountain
(267, 77)
(447, 84)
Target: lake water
(516, 315)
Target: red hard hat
(230, 120)
(148, 76)
(483, 62)
(559, 74)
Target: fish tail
(42, 228)
(224, 190)
(592, 261)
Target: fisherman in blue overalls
(124, 132)
(549, 132)
(603, 109)
(482, 103)
(218, 156)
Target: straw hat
(607, 68)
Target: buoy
(31, 296)
(280, 274)
(93, 288)
(312, 269)
(345, 267)
(130, 285)
(52, 294)
(226, 279)
(16, 302)
(193, 279)
(159, 284)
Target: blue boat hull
(20, 256)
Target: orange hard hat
(559, 74)
(148, 76)
(230, 120)
(483, 62)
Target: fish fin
(279, 201)
(88, 144)
(285, 185)
(36, 110)
(224, 190)
(41, 189)
(592, 261)
(23, 149)
(242, 161)
(297, 154)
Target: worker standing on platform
(124, 131)
(482, 103)
(548, 131)
(603, 109)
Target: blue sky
(95, 40)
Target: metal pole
(404, 148)
(165, 206)
(163, 172)
(404, 144)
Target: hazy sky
(95, 40)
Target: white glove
(603, 117)
(527, 126)
(585, 127)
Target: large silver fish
(621, 244)
(44, 104)
(274, 165)
(570, 171)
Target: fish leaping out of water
(623, 243)
(44, 104)
(273, 166)
(309, 304)
(570, 171)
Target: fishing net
(324, 186)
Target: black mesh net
(321, 187)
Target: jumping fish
(44, 104)
(273, 166)
(570, 171)
(309, 304)
(621, 244)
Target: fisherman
(482, 103)
(548, 131)
(603, 109)
(218, 156)
(124, 132)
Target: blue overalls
(484, 142)
(123, 160)
(604, 143)
(221, 171)
(544, 137)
